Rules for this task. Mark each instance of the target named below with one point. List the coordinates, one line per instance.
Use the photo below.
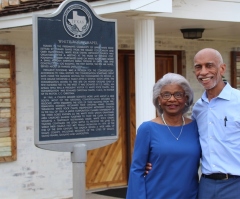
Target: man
(217, 114)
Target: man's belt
(219, 176)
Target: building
(144, 27)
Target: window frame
(12, 85)
(235, 55)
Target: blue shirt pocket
(230, 130)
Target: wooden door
(109, 166)
(163, 64)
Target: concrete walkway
(92, 195)
(97, 196)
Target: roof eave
(100, 8)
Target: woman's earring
(186, 104)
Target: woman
(170, 142)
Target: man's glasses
(176, 95)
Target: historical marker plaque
(75, 76)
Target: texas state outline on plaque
(79, 21)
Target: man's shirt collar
(225, 93)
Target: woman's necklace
(183, 123)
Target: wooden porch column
(144, 68)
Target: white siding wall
(41, 174)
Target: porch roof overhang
(219, 18)
(11, 18)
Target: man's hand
(148, 168)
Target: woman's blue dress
(175, 163)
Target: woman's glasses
(176, 95)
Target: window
(235, 69)
(7, 104)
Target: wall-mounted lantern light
(192, 33)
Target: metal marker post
(79, 158)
